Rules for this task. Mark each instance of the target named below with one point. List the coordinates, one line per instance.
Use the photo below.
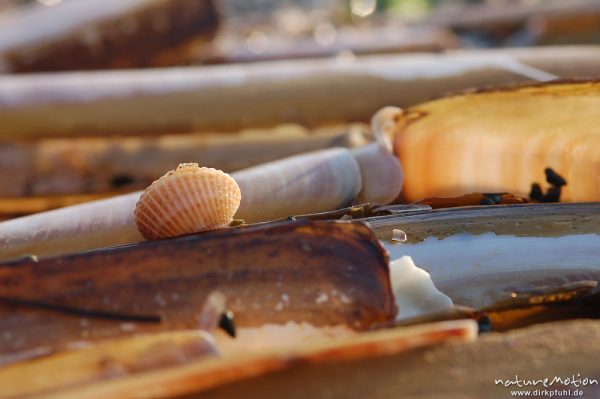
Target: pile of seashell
(320, 266)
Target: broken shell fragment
(188, 199)
(383, 125)
(414, 292)
(399, 235)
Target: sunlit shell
(502, 140)
(187, 200)
(381, 173)
(316, 181)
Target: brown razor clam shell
(270, 273)
(85, 362)
(226, 375)
(95, 34)
(502, 140)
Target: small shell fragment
(399, 235)
(383, 125)
(415, 293)
(186, 200)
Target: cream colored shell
(186, 200)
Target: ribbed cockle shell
(187, 200)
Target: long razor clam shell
(381, 173)
(105, 360)
(205, 378)
(308, 183)
(309, 92)
(271, 337)
(13, 207)
(480, 255)
(95, 34)
(102, 164)
(323, 273)
(501, 140)
(75, 228)
(463, 369)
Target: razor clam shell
(317, 181)
(80, 165)
(313, 182)
(79, 227)
(95, 34)
(381, 174)
(270, 273)
(479, 256)
(502, 140)
(105, 360)
(214, 378)
(309, 92)
(13, 207)
(457, 370)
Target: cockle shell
(187, 200)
